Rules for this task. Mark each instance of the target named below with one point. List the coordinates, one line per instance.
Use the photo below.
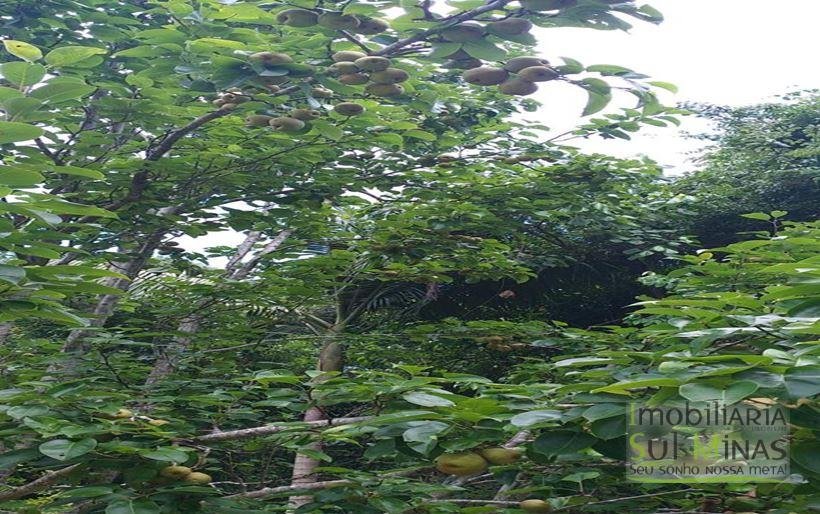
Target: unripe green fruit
(485, 76)
(538, 74)
(257, 120)
(510, 26)
(373, 63)
(518, 87)
(389, 76)
(537, 506)
(349, 109)
(354, 79)
(270, 58)
(305, 114)
(384, 90)
(463, 32)
(347, 55)
(461, 464)
(338, 21)
(175, 472)
(501, 456)
(343, 68)
(286, 124)
(198, 478)
(297, 18)
(371, 26)
(517, 64)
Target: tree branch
(168, 143)
(272, 429)
(41, 483)
(267, 491)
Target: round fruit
(338, 21)
(257, 120)
(463, 32)
(297, 18)
(373, 63)
(158, 422)
(501, 456)
(510, 26)
(538, 506)
(538, 74)
(389, 76)
(321, 92)
(228, 106)
(123, 413)
(347, 55)
(353, 79)
(517, 64)
(195, 477)
(517, 86)
(175, 472)
(485, 76)
(271, 58)
(305, 114)
(384, 90)
(461, 464)
(371, 26)
(343, 68)
(286, 124)
(349, 109)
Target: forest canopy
(435, 306)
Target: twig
(37, 485)
(267, 491)
(272, 429)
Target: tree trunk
(5, 331)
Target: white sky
(733, 52)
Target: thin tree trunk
(5, 331)
(190, 325)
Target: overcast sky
(733, 52)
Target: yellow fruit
(320, 92)
(538, 506)
(349, 109)
(538, 74)
(286, 124)
(123, 413)
(347, 55)
(273, 88)
(271, 58)
(384, 90)
(501, 456)
(461, 464)
(353, 79)
(257, 120)
(518, 87)
(175, 472)
(219, 102)
(338, 21)
(517, 64)
(195, 477)
(463, 32)
(228, 106)
(373, 63)
(158, 422)
(485, 76)
(547, 5)
(371, 26)
(297, 18)
(389, 76)
(343, 68)
(305, 114)
(510, 26)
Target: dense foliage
(423, 281)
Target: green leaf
(603, 411)
(12, 131)
(609, 69)
(166, 455)
(665, 85)
(66, 55)
(132, 507)
(17, 177)
(57, 90)
(561, 442)
(328, 130)
(807, 454)
(803, 381)
(23, 74)
(484, 50)
(65, 449)
(757, 216)
(22, 50)
(702, 392)
(427, 400)
(441, 50)
(526, 419)
(626, 385)
(596, 102)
